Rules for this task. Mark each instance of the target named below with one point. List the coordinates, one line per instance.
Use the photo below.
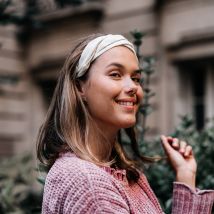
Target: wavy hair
(68, 124)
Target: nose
(130, 86)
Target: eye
(115, 74)
(136, 78)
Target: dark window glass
(198, 84)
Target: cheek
(105, 89)
(100, 94)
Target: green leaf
(41, 180)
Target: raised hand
(181, 157)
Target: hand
(181, 158)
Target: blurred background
(36, 35)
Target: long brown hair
(67, 124)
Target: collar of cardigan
(119, 174)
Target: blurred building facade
(180, 34)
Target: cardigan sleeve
(79, 190)
(187, 201)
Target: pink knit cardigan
(77, 186)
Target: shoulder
(70, 173)
(72, 183)
(71, 168)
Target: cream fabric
(98, 46)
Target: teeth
(126, 103)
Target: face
(113, 91)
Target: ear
(82, 89)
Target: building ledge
(96, 8)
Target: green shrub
(160, 174)
(17, 194)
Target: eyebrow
(122, 67)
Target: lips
(128, 102)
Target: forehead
(119, 54)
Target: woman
(98, 94)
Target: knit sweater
(77, 186)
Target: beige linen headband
(98, 46)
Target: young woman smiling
(98, 94)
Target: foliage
(160, 174)
(17, 194)
(203, 146)
(26, 18)
(8, 16)
(147, 66)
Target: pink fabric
(188, 201)
(77, 186)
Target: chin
(128, 123)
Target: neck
(103, 139)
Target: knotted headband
(98, 46)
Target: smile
(125, 103)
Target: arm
(186, 198)
(181, 158)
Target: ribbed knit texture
(78, 186)
(187, 201)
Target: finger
(169, 139)
(188, 151)
(182, 148)
(175, 143)
(166, 144)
